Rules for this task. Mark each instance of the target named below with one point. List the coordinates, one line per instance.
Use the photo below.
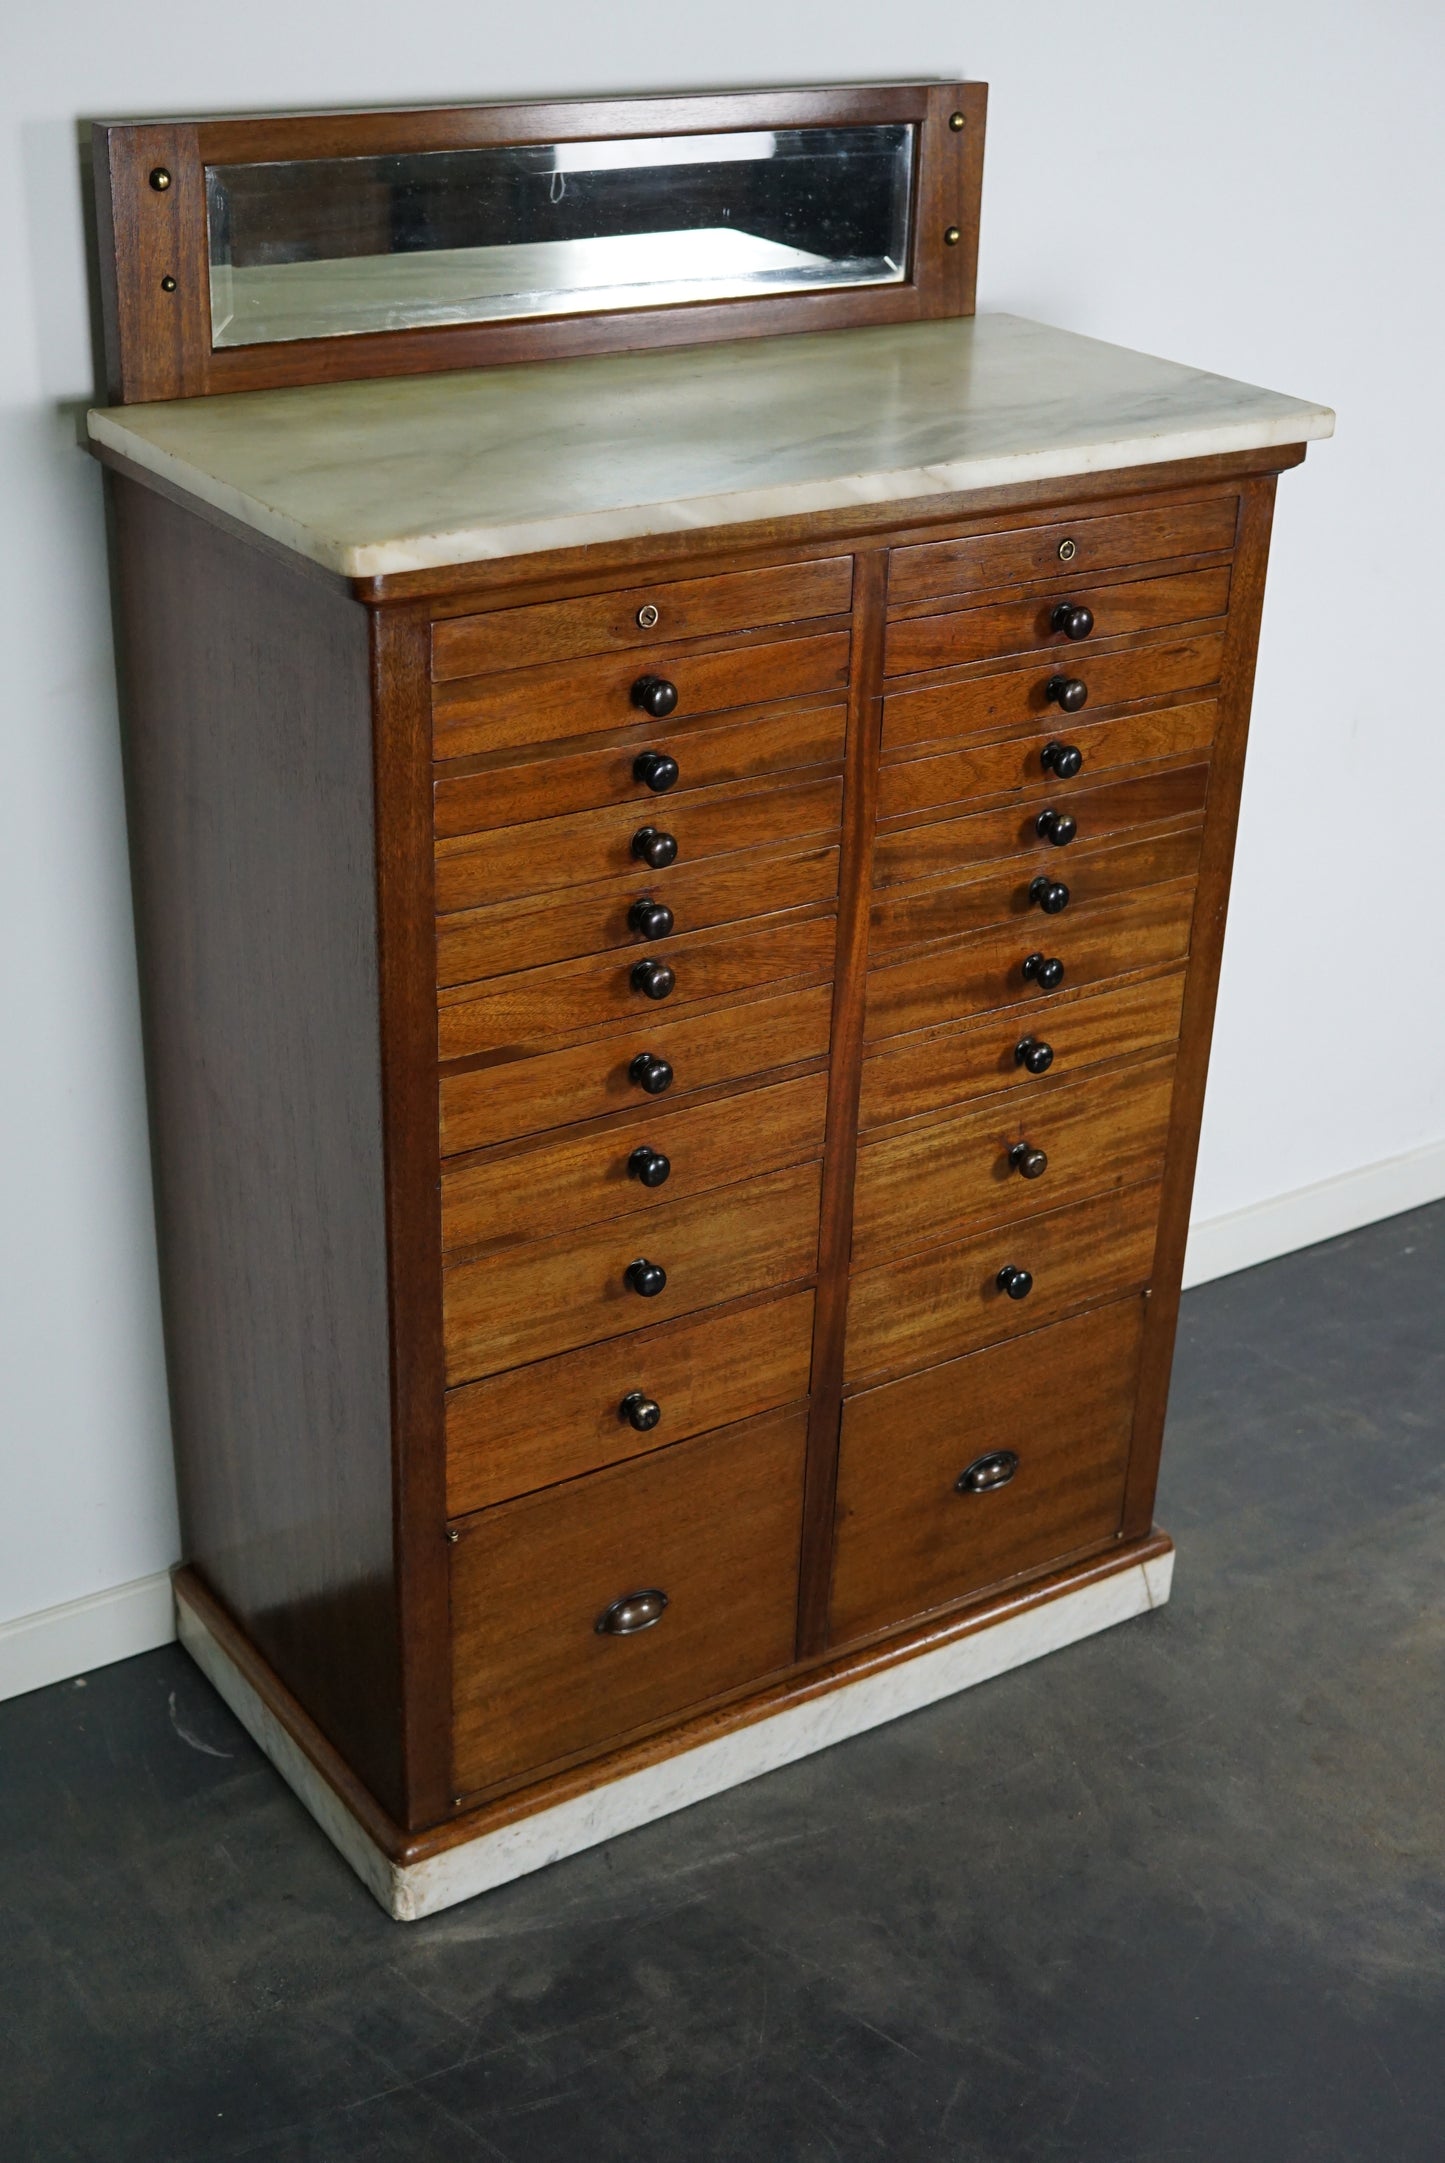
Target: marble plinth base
(410, 1890)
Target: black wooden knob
(645, 1278)
(1028, 1162)
(655, 695)
(649, 1072)
(1033, 1054)
(986, 1473)
(640, 1411)
(656, 769)
(650, 845)
(1045, 970)
(1059, 827)
(637, 1611)
(650, 919)
(1050, 895)
(1066, 691)
(1072, 619)
(653, 979)
(1016, 1283)
(649, 1165)
(1065, 760)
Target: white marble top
(375, 478)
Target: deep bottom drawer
(711, 1525)
(982, 1470)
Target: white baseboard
(59, 1642)
(1220, 1245)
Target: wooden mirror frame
(155, 263)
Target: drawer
(1020, 626)
(519, 1095)
(1147, 929)
(555, 1294)
(910, 1314)
(1180, 733)
(918, 1185)
(907, 916)
(1017, 698)
(638, 616)
(527, 1191)
(596, 919)
(475, 869)
(1164, 794)
(575, 698)
(1069, 547)
(1055, 1413)
(576, 997)
(545, 781)
(952, 1066)
(713, 1525)
(561, 1418)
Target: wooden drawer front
(1060, 1403)
(910, 1314)
(478, 943)
(529, 1191)
(921, 1184)
(528, 1302)
(1017, 698)
(1072, 549)
(609, 622)
(1147, 929)
(576, 997)
(1180, 733)
(714, 1524)
(517, 1096)
(1012, 626)
(476, 869)
(560, 1418)
(544, 782)
(908, 916)
(574, 698)
(953, 1066)
(1163, 794)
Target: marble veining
(371, 479)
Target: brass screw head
(168, 285)
(952, 237)
(160, 179)
(955, 121)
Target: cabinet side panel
(249, 775)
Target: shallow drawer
(528, 1191)
(994, 769)
(1018, 697)
(575, 997)
(476, 943)
(1164, 793)
(1048, 1418)
(1072, 548)
(920, 1184)
(952, 1066)
(640, 616)
(910, 1314)
(554, 1294)
(563, 1417)
(1019, 626)
(1146, 929)
(520, 1095)
(573, 698)
(476, 869)
(908, 916)
(543, 781)
(713, 1526)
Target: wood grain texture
(559, 1419)
(1003, 767)
(1103, 540)
(1007, 626)
(1159, 795)
(155, 341)
(711, 1523)
(908, 1540)
(1017, 697)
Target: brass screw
(955, 121)
(168, 285)
(453, 1535)
(160, 179)
(952, 237)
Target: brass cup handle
(633, 1612)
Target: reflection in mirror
(332, 247)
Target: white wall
(1254, 186)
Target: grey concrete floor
(1170, 1896)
